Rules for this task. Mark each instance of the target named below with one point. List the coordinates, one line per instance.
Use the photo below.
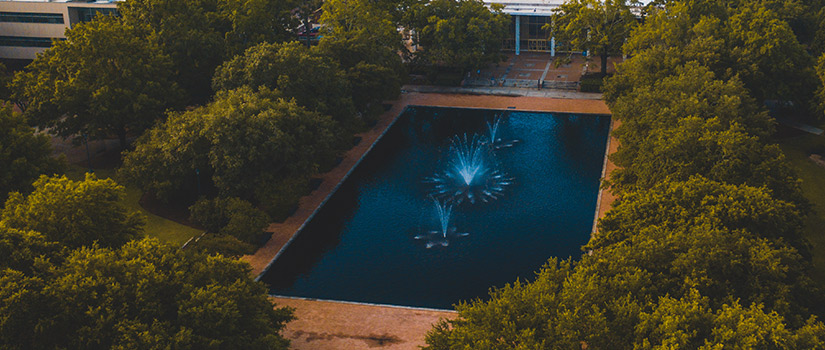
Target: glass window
(23, 41)
(31, 17)
(86, 14)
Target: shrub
(230, 216)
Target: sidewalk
(503, 91)
(333, 325)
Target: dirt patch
(372, 340)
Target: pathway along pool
(379, 238)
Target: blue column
(518, 34)
(553, 46)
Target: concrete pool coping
(283, 233)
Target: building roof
(69, 1)
(528, 7)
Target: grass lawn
(797, 149)
(156, 226)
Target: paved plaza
(533, 69)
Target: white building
(29, 26)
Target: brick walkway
(332, 325)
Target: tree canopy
(242, 144)
(702, 248)
(820, 70)
(143, 295)
(104, 79)
(463, 34)
(191, 33)
(24, 155)
(316, 82)
(594, 25)
(750, 41)
(359, 35)
(74, 213)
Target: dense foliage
(24, 155)
(74, 213)
(315, 82)
(72, 277)
(252, 145)
(359, 35)
(594, 25)
(234, 226)
(143, 295)
(199, 35)
(750, 42)
(103, 80)
(463, 34)
(703, 247)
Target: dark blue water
(360, 246)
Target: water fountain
(439, 237)
(493, 129)
(495, 142)
(471, 174)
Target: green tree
(694, 146)
(820, 70)
(616, 307)
(24, 310)
(5, 78)
(689, 323)
(464, 34)
(768, 56)
(749, 40)
(24, 155)
(143, 295)
(230, 216)
(692, 90)
(314, 81)
(359, 35)
(226, 245)
(104, 79)
(243, 143)
(20, 249)
(74, 213)
(697, 201)
(598, 26)
(192, 33)
(258, 21)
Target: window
(31, 17)
(87, 14)
(25, 41)
(535, 27)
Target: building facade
(528, 17)
(28, 27)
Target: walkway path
(504, 91)
(337, 325)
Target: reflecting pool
(449, 203)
